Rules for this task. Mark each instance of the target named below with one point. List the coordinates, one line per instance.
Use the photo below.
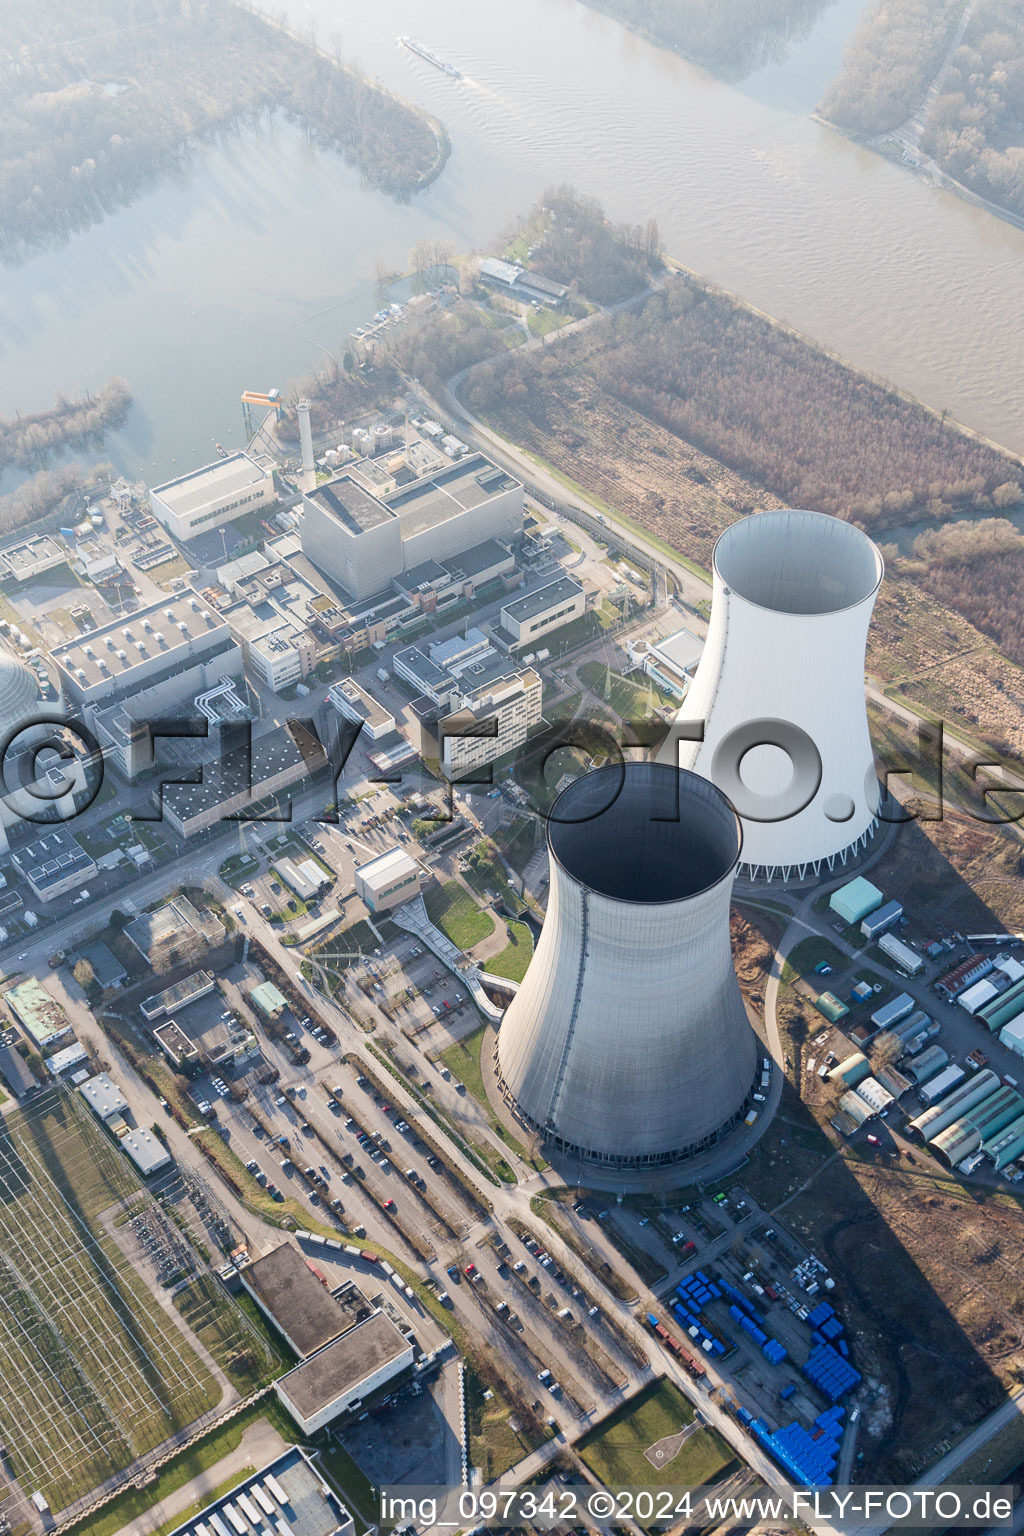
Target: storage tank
(780, 689)
(628, 1044)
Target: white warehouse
(209, 497)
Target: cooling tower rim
(855, 537)
(701, 789)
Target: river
(236, 272)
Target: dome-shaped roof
(19, 692)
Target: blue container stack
(828, 1364)
(694, 1293)
(787, 1391)
(738, 1299)
(773, 1351)
(809, 1456)
(830, 1373)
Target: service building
(209, 497)
(388, 880)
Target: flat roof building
(107, 971)
(388, 880)
(147, 1152)
(287, 1497)
(178, 995)
(233, 788)
(172, 639)
(355, 704)
(66, 1059)
(364, 536)
(176, 929)
(492, 718)
(540, 613)
(40, 1015)
(671, 662)
(216, 494)
(54, 864)
(344, 1374)
(104, 1097)
(306, 879)
(31, 557)
(299, 1305)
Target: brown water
(236, 273)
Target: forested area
(574, 243)
(94, 102)
(977, 569)
(30, 441)
(976, 128)
(731, 37)
(45, 490)
(785, 416)
(889, 63)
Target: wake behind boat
(425, 53)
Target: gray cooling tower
(628, 1044)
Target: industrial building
(173, 930)
(520, 284)
(306, 878)
(28, 558)
(286, 756)
(670, 663)
(792, 602)
(963, 975)
(526, 620)
(901, 955)
(342, 1375)
(270, 1001)
(54, 864)
(179, 994)
(40, 1015)
(388, 880)
(356, 705)
(363, 538)
(147, 1152)
(854, 900)
(214, 495)
(166, 657)
(299, 1306)
(881, 920)
(287, 1497)
(628, 1045)
(104, 1097)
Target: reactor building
(778, 696)
(628, 1045)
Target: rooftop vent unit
(127, 634)
(147, 625)
(183, 627)
(88, 650)
(122, 655)
(168, 613)
(110, 642)
(159, 637)
(194, 604)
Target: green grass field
(516, 955)
(451, 908)
(614, 1449)
(95, 1371)
(803, 957)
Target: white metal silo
(628, 1044)
(780, 690)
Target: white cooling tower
(780, 689)
(628, 1044)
